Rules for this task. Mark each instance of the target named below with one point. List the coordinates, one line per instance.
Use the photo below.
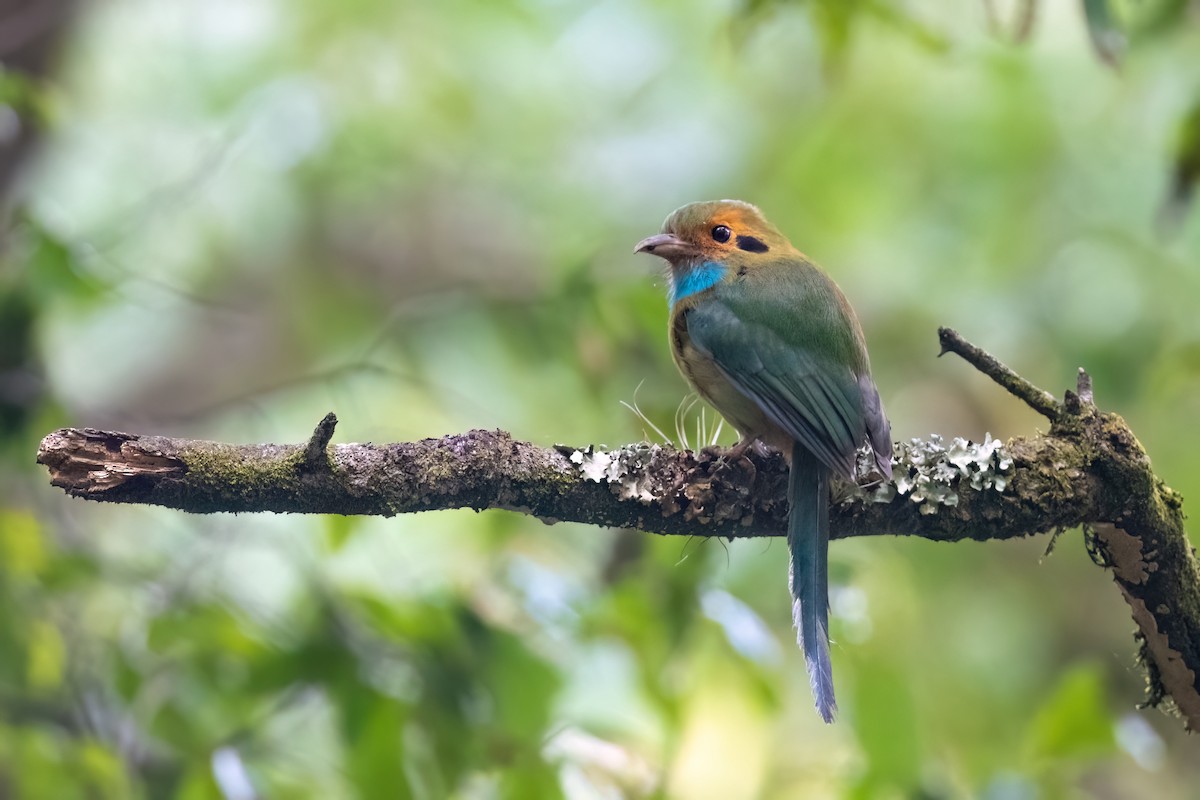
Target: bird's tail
(808, 572)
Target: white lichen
(930, 472)
(624, 469)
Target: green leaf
(104, 770)
(22, 545)
(339, 529)
(53, 264)
(1074, 723)
(1184, 172)
(530, 778)
(886, 726)
(522, 687)
(198, 784)
(208, 629)
(1108, 37)
(26, 96)
(47, 656)
(834, 21)
(375, 754)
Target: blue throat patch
(696, 279)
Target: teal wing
(793, 351)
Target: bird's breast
(706, 377)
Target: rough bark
(1089, 470)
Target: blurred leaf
(199, 784)
(530, 778)
(522, 687)
(37, 762)
(1145, 21)
(53, 266)
(376, 753)
(834, 19)
(205, 628)
(1108, 37)
(339, 529)
(105, 772)
(1074, 722)
(654, 608)
(1185, 172)
(22, 548)
(47, 656)
(68, 571)
(25, 96)
(886, 726)
(20, 378)
(432, 621)
(894, 16)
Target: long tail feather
(808, 572)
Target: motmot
(769, 341)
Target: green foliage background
(420, 216)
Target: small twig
(1081, 400)
(1083, 388)
(1039, 400)
(316, 452)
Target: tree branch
(1039, 400)
(1089, 470)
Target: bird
(766, 338)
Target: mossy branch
(1089, 471)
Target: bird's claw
(736, 455)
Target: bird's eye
(721, 233)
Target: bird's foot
(735, 457)
(873, 479)
(738, 451)
(869, 482)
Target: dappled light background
(245, 214)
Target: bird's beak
(666, 245)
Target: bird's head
(721, 231)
